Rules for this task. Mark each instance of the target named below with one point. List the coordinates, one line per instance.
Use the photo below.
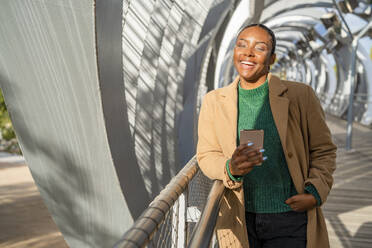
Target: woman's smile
(247, 65)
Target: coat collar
(279, 104)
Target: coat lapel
(279, 105)
(229, 104)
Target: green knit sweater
(267, 186)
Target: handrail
(339, 96)
(204, 230)
(144, 228)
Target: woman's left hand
(301, 202)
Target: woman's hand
(301, 202)
(244, 159)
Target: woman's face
(252, 54)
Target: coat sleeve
(322, 151)
(209, 154)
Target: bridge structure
(104, 96)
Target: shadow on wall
(161, 106)
(67, 186)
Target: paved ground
(348, 209)
(25, 221)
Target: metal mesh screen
(163, 237)
(181, 219)
(171, 218)
(198, 191)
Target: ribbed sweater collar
(256, 93)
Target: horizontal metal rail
(203, 232)
(358, 97)
(144, 228)
(340, 95)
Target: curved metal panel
(48, 74)
(109, 58)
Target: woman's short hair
(268, 30)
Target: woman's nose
(248, 51)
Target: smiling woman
(275, 193)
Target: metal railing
(168, 221)
(358, 97)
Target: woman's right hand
(244, 159)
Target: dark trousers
(277, 230)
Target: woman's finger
(290, 201)
(258, 161)
(244, 157)
(245, 165)
(242, 147)
(238, 160)
(254, 157)
(253, 152)
(249, 149)
(250, 161)
(247, 170)
(257, 158)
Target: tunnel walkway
(24, 219)
(348, 210)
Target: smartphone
(252, 135)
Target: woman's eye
(260, 48)
(241, 45)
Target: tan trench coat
(306, 142)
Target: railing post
(179, 222)
(351, 78)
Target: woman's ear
(272, 58)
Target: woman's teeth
(247, 63)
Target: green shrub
(6, 127)
(8, 141)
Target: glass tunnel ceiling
(302, 55)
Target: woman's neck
(248, 85)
